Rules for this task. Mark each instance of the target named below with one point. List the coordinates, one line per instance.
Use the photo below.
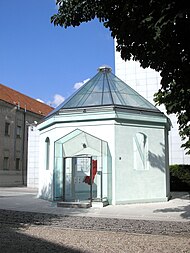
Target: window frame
(18, 131)
(17, 165)
(6, 158)
(47, 152)
(7, 128)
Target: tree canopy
(153, 32)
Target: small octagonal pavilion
(105, 143)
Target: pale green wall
(139, 185)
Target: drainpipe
(23, 147)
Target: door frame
(64, 173)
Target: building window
(5, 163)
(47, 149)
(7, 129)
(17, 163)
(18, 132)
(140, 150)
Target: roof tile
(25, 102)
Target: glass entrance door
(78, 178)
(82, 171)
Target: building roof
(27, 103)
(105, 89)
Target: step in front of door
(73, 204)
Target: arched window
(140, 150)
(47, 149)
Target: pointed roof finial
(105, 68)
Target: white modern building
(104, 143)
(147, 82)
(33, 160)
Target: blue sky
(43, 61)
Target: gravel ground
(25, 232)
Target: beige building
(17, 112)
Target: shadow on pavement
(13, 239)
(184, 210)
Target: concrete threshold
(73, 204)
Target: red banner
(87, 179)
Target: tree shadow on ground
(184, 210)
(13, 240)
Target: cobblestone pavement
(33, 232)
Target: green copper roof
(105, 89)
